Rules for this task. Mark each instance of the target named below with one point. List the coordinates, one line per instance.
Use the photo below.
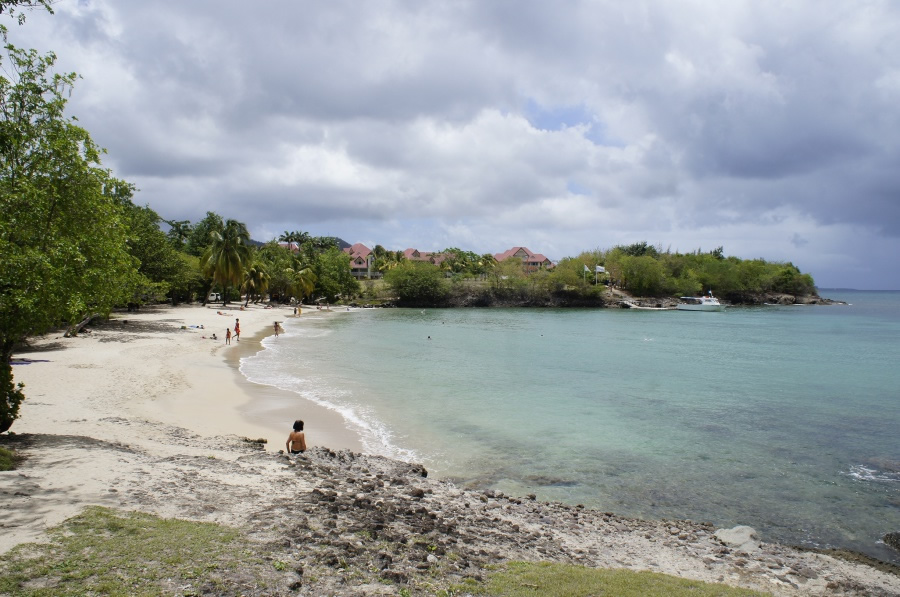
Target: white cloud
(769, 128)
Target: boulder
(741, 538)
(893, 539)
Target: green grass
(8, 459)
(518, 579)
(104, 552)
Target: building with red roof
(530, 261)
(361, 260)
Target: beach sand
(144, 413)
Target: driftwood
(73, 331)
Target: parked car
(214, 297)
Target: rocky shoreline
(607, 298)
(386, 520)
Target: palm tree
(227, 255)
(486, 263)
(302, 280)
(256, 281)
(294, 237)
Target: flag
(586, 269)
(599, 270)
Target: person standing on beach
(296, 441)
(276, 329)
(227, 335)
(237, 330)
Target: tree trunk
(73, 331)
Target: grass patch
(102, 551)
(559, 580)
(9, 460)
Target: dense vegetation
(638, 269)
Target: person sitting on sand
(296, 441)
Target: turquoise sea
(786, 419)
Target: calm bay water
(782, 418)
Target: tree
(256, 282)
(9, 7)
(301, 280)
(227, 256)
(199, 239)
(179, 232)
(294, 238)
(417, 284)
(62, 229)
(333, 277)
(158, 261)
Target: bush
(418, 284)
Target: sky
(771, 128)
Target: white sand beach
(146, 412)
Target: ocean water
(784, 418)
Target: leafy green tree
(227, 256)
(644, 275)
(200, 235)
(188, 282)
(179, 233)
(9, 7)
(333, 277)
(279, 263)
(417, 284)
(62, 229)
(158, 260)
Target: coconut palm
(302, 281)
(227, 255)
(256, 281)
(295, 237)
(486, 263)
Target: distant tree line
(638, 269)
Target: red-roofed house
(417, 255)
(361, 259)
(531, 261)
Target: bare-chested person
(296, 441)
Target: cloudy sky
(769, 127)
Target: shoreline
(276, 409)
(143, 413)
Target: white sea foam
(865, 473)
(277, 366)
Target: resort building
(416, 255)
(361, 260)
(530, 261)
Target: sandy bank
(149, 415)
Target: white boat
(700, 303)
